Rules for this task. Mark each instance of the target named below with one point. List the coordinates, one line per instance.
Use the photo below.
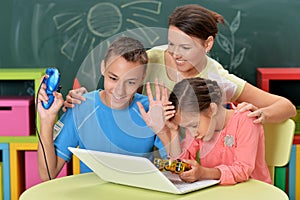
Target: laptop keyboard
(184, 186)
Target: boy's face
(121, 81)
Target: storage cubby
(287, 178)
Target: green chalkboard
(63, 33)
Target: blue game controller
(52, 85)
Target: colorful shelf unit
(24, 168)
(1, 182)
(285, 177)
(293, 189)
(265, 75)
(75, 165)
(11, 74)
(5, 172)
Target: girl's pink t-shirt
(238, 151)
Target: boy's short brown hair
(130, 49)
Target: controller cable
(38, 134)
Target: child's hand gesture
(198, 172)
(159, 108)
(194, 174)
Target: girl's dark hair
(130, 49)
(195, 94)
(195, 20)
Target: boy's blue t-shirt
(93, 125)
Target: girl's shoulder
(240, 117)
(240, 120)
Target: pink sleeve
(247, 136)
(189, 147)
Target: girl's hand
(74, 97)
(194, 174)
(256, 113)
(155, 117)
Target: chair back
(278, 144)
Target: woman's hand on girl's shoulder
(257, 114)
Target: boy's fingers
(149, 92)
(142, 110)
(157, 90)
(164, 92)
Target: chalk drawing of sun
(85, 29)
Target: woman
(192, 31)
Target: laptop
(136, 171)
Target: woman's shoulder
(212, 63)
(156, 54)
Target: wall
(62, 33)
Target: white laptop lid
(133, 171)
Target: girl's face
(121, 81)
(188, 52)
(200, 125)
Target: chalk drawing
(227, 43)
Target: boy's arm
(46, 149)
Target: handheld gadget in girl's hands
(175, 166)
(52, 85)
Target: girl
(219, 143)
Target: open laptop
(135, 171)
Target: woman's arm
(74, 96)
(267, 107)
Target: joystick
(52, 84)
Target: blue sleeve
(67, 136)
(161, 149)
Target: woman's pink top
(238, 151)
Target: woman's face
(188, 52)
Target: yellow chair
(278, 144)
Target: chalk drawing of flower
(227, 44)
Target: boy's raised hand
(156, 115)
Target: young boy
(109, 120)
